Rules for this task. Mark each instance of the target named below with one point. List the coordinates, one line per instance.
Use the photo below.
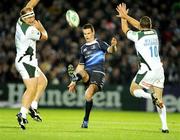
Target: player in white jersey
(150, 75)
(28, 31)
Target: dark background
(63, 45)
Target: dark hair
(88, 26)
(145, 22)
(25, 10)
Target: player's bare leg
(137, 91)
(42, 83)
(31, 86)
(155, 94)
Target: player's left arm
(113, 47)
(42, 30)
(32, 3)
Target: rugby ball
(72, 18)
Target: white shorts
(27, 69)
(150, 78)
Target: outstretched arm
(124, 25)
(32, 3)
(121, 9)
(133, 22)
(123, 13)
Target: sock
(88, 108)
(162, 115)
(142, 94)
(76, 77)
(34, 104)
(24, 111)
(79, 77)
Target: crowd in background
(63, 45)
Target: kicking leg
(138, 92)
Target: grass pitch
(64, 124)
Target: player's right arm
(124, 25)
(32, 3)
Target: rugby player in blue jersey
(90, 70)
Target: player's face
(88, 35)
(30, 20)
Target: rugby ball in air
(72, 18)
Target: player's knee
(131, 89)
(88, 96)
(132, 92)
(45, 82)
(84, 75)
(31, 89)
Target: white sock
(162, 115)
(34, 104)
(142, 94)
(24, 111)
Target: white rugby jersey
(147, 48)
(26, 37)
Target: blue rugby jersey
(93, 55)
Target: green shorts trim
(30, 69)
(139, 77)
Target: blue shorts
(96, 77)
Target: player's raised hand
(32, 3)
(121, 9)
(124, 9)
(72, 87)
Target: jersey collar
(92, 42)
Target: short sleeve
(81, 60)
(103, 45)
(132, 35)
(33, 33)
